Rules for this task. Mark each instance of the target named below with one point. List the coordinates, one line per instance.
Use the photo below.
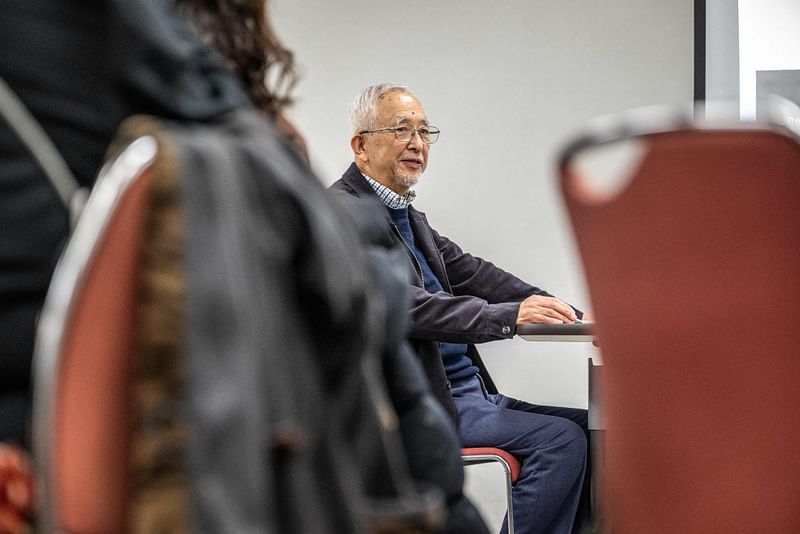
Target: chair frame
(511, 469)
(652, 120)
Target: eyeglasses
(428, 134)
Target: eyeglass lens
(427, 135)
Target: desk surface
(556, 332)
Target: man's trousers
(550, 442)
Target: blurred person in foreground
(81, 70)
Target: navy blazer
(480, 301)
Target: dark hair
(240, 30)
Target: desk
(572, 332)
(556, 332)
(579, 332)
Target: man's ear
(359, 150)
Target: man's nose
(415, 143)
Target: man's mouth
(412, 163)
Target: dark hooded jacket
(80, 68)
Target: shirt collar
(389, 198)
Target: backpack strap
(44, 152)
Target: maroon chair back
(694, 274)
(84, 352)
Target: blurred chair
(692, 260)
(82, 420)
(511, 469)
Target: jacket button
(506, 330)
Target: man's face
(395, 164)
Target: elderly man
(460, 300)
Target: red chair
(511, 468)
(693, 268)
(83, 352)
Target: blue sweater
(457, 364)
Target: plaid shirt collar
(389, 198)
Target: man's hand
(545, 310)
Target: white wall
(507, 82)
(768, 40)
(743, 37)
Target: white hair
(364, 109)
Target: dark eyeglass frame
(428, 134)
